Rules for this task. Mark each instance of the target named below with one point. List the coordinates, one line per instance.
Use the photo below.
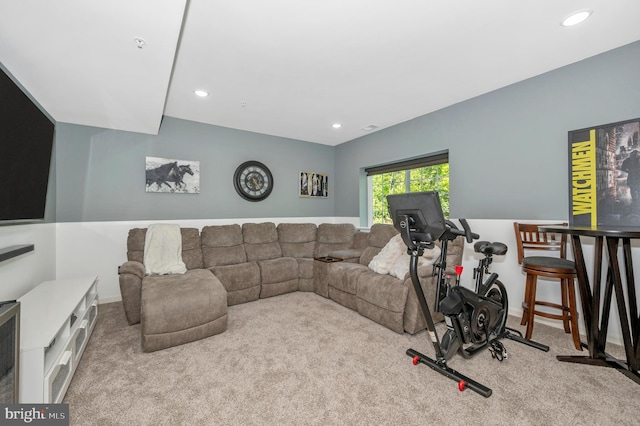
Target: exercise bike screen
(423, 207)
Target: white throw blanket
(163, 250)
(394, 260)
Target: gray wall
(507, 149)
(100, 174)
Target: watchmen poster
(604, 175)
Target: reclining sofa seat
(381, 298)
(385, 299)
(132, 271)
(278, 274)
(343, 276)
(223, 253)
(298, 241)
(172, 309)
(334, 237)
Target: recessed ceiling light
(336, 125)
(575, 18)
(369, 128)
(201, 93)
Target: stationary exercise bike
(475, 320)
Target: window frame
(434, 159)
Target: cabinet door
(57, 380)
(80, 338)
(92, 315)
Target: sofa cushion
(305, 268)
(238, 277)
(191, 251)
(278, 270)
(297, 239)
(384, 291)
(181, 308)
(344, 275)
(242, 281)
(333, 236)
(222, 245)
(278, 276)
(360, 240)
(378, 236)
(261, 241)
(382, 298)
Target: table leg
(631, 347)
(596, 330)
(599, 337)
(633, 308)
(594, 298)
(584, 289)
(606, 309)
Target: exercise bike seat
(489, 249)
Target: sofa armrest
(130, 275)
(132, 267)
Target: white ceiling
(289, 68)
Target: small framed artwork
(313, 185)
(174, 176)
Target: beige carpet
(300, 359)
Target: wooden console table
(597, 323)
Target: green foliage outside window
(415, 180)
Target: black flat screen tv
(26, 143)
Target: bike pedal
(498, 351)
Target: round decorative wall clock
(253, 181)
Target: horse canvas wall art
(174, 176)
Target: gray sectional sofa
(232, 264)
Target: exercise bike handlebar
(466, 230)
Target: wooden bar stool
(528, 237)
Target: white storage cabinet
(57, 318)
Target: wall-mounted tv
(26, 143)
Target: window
(421, 174)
